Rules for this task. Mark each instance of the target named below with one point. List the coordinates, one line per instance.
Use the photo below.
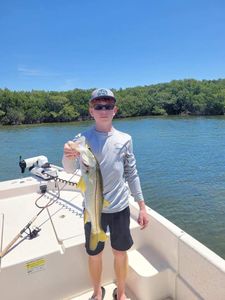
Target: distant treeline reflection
(178, 97)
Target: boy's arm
(133, 180)
(131, 173)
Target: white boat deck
(108, 295)
(61, 224)
(164, 263)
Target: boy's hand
(69, 152)
(143, 218)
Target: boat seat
(141, 265)
(149, 276)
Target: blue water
(181, 162)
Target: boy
(114, 153)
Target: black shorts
(119, 228)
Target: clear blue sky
(67, 44)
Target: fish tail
(95, 238)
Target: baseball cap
(102, 93)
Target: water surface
(181, 162)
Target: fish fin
(106, 203)
(95, 238)
(102, 236)
(81, 185)
(86, 216)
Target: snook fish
(91, 185)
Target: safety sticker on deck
(35, 265)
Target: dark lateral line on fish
(96, 185)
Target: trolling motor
(38, 166)
(32, 162)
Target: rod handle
(4, 251)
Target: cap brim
(102, 97)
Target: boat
(42, 253)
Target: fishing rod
(35, 231)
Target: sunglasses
(104, 106)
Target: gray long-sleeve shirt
(114, 152)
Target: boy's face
(103, 110)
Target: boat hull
(165, 262)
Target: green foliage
(13, 117)
(178, 97)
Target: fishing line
(52, 200)
(34, 233)
(57, 180)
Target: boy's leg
(121, 267)
(94, 262)
(95, 271)
(121, 241)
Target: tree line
(178, 97)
